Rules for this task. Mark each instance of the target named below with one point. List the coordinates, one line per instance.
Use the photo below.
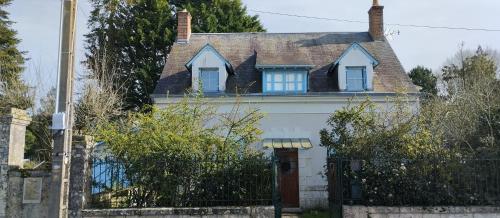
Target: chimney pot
(183, 26)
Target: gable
(356, 53)
(209, 54)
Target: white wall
(208, 59)
(355, 58)
(297, 117)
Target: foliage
(13, 92)
(469, 114)
(395, 157)
(222, 16)
(365, 131)
(39, 136)
(425, 181)
(182, 183)
(137, 36)
(184, 143)
(101, 100)
(424, 78)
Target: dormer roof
(356, 46)
(209, 48)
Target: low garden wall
(420, 212)
(205, 212)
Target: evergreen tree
(135, 37)
(13, 92)
(424, 78)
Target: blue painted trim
(364, 78)
(354, 46)
(284, 81)
(210, 48)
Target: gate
(335, 195)
(276, 191)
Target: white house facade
(296, 79)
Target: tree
(470, 71)
(222, 16)
(137, 36)
(39, 145)
(424, 78)
(470, 113)
(13, 91)
(367, 131)
(101, 100)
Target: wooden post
(61, 157)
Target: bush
(185, 155)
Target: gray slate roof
(245, 50)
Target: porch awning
(304, 143)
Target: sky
(37, 23)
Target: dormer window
(354, 69)
(209, 69)
(356, 79)
(209, 79)
(291, 81)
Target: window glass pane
(269, 86)
(290, 86)
(278, 77)
(269, 77)
(278, 86)
(299, 77)
(299, 86)
(290, 77)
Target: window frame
(284, 82)
(363, 75)
(200, 77)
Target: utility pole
(63, 118)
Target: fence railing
(181, 183)
(421, 182)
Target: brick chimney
(376, 14)
(183, 26)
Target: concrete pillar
(79, 185)
(12, 138)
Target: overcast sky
(37, 23)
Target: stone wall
(25, 200)
(420, 212)
(79, 185)
(12, 137)
(212, 212)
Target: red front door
(288, 175)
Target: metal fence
(181, 183)
(417, 182)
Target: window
(283, 81)
(210, 79)
(356, 79)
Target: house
(297, 79)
